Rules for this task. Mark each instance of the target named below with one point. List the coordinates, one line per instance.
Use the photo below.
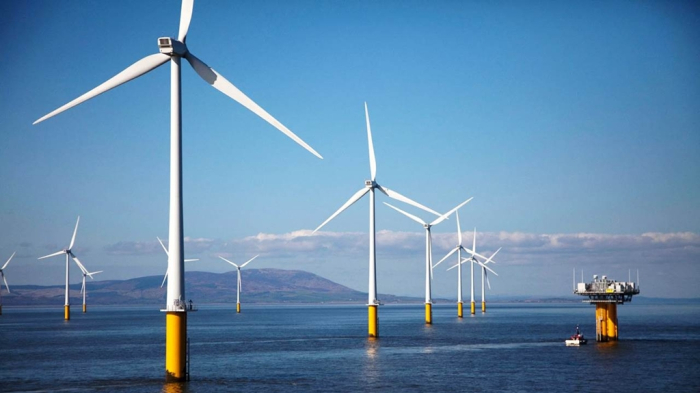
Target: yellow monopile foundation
(460, 310)
(483, 306)
(84, 307)
(473, 308)
(175, 345)
(428, 313)
(238, 307)
(0, 309)
(373, 323)
(66, 312)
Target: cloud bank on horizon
(668, 261)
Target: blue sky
(575, 126)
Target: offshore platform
(606, 294)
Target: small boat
(576, 340)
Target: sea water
(317, 348)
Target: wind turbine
(173, 50)
(429, 254)
(484, 275)
(69, 253)
(2, 273)
(475, 261)
(458, 249)
(83, 289)
(472, 259)
(238, 285)
(165, 277)
(369, 187)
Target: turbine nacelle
(172, 47)
(370, 184)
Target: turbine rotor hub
(370, 184)
(171, 46)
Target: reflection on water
(175, 387)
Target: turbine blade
(456, 265)
(220, 83)
(411, 216)
(356, 197)
(191, 260)
(372, 160)
(492, 255)
(240, 287)
(53, 255)
(447, 256)
(165, 277)
(77, 261)
(449, 213)
(185, 19)
(135, 70)
(487, 280)
(486, 267)
(8, 261)
(5, 280)
(75, 232)
(229, 261)
(99, 271)
(395, 195)
(163, 245)
(250, 260)
(82, 288)
(474, 241)
(459, 230)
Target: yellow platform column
(175, 345)
(612, 322)
(601, 327)
(238, 307)
(66, 312)
(473, 308)
(460, 310)
(372, 321)
(428, 313)
(483, 306)
(84, 308)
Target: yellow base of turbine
(460, 310)
(606, 322)
(84, 307)
(428, 313)
(483, 306)
(372, 321)
(66, 312)
(175, 346)
(238, 307)
(473, 308)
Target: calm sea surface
(513, 348)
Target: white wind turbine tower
(83, 289)
(458, 249)
(69, 253)
(2, 273)
(173, 50)
(238, 285)
(429, 254)
(472, 259)
(165, 277)
(369, 187)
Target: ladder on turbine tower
(187, 361)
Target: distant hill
(259, 286)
